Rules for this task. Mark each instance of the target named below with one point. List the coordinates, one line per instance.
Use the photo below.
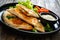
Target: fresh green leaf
(27, 3)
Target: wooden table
(53, 5)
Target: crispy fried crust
(27, 11)
(31, 20)
(16, 22)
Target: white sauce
(48, 17)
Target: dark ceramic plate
(6, 6)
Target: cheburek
(15, 22)
(27, 11)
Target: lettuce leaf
(27, 3)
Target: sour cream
(48, 17)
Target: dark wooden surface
(9, 34)
(53, 5)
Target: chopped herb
(48, 28)
(12, 6)
(34, 30)
(9, 17)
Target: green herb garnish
(9, 17)
(48, 28)
(34, 30)
(35, 9)
(12, 6)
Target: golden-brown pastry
(15, 22)
(31, 20)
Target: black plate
(6, 6)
